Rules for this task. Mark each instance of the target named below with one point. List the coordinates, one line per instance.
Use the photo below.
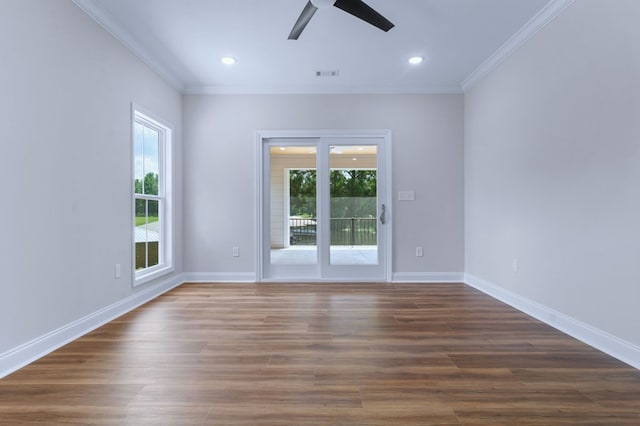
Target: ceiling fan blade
(359, 9)
(303, 20)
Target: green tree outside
(302, 187)
(146, 208)
(353, 193)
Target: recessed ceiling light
(354, 159)
(282, 148)
(228, 60)
(415, 60)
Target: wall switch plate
(236, 252)
(118, 271)
(419, 252)
(515, 265)
(406, 196)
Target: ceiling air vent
(329, 73)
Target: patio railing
(352, 231)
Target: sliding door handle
(382, 214)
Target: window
(151, 197)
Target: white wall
(553, 168)
(65, 165)
(551, 159)
(220, 196)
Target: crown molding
(321, 90)
(547, 14)
(535, 24)
(106, 21)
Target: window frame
(140, 115)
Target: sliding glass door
(324, 209)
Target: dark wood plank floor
(362, 354)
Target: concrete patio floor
(339, 255)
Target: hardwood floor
(363, 354)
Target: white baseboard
(219, 277)
(427, 277)
(397, 277)
(22, 355)
(26, 353)
(618, 348)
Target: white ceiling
(183, 40)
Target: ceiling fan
(357, 8)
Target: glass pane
(153, 232)
(151, 161)
(138, 173)
(293, 205)
(353, 193)
(141, 233)
(147, 233)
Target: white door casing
(323, 269)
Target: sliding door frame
(263, 136)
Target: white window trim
(165, 256)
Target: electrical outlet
(236, 252)
(419, 252)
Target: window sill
(151, 274)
